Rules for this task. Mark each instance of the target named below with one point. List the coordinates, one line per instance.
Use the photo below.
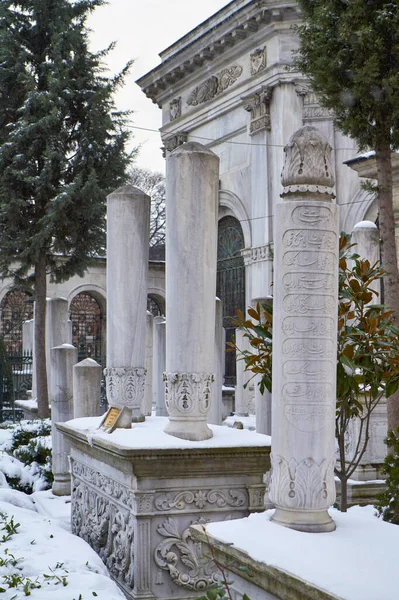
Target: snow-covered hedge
(25, 456)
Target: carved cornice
(187, 56)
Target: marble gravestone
(128, 227)
(136, 491)
(305, 337)
(191, 233)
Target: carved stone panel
(102, 522)
(186, 562)
(175, 108)
(214, 85)
(202, 499)
(258, 60)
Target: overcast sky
(142, 29)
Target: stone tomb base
(136, 493)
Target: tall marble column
(242, 399)
(366, 236)
(146, 408)
(263, 402)
(159, 353)
(128, 226)
(58, 331)
(192, 182)
(305, 337)
(215, 411)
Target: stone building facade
(228, 85)
(87, 307)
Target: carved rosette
(186, 562)
(188, 394)
(125, 387)
(305, 485)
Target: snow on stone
(150, 434)
(365, 225)
(358, 561)
(44, 547)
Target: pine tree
(350, 52)
(62, 149)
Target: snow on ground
(358, 561)
(150, 435)
(42, 547)
(248, 422)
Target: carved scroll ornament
(183, 558)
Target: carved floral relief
(214, 85)
(187, 563)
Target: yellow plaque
(111, 417)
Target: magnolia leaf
(391, 387)
(254, 314)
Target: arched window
(16, 307)
(230, 286)
(86, 316)
(154, 306)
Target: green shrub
(388, 501)
(31, 445)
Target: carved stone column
(305, 337)
(192, 187)
(128, 226)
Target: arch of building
(16, 307)
(89, 321)
(231, 205)
(158, 296)
(362, 207)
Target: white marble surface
(150, 434)
(159, 355)
(305, 337)
(215, 411)
(128, 221)
(63, 359)
(87, 376)
(192, 182)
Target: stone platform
(357, 561)
(136, 492)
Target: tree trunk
(40, 336)
(344, 494)
(388, 252)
